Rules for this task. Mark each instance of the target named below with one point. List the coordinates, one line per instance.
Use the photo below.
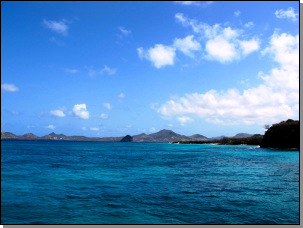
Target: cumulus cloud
(160, 55)
(51, 127)
(288, 14)
(184, 119)
(221, 50)
(187, 45)
(57, 26)
(223, 44)
(58, 113)
(80, 111)
(275, 99)
(9, 87)
(249, 46)
(107, 105)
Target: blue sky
(117, 68)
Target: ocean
(68, 182)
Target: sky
(115, 68)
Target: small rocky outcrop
(127, 138)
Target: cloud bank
(275, 99)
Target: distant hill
(218, 137)
(8, 135)
(28, 136)
(160, 136)
(242, 135)
(55, 136)
(198, 137)
(167, 136)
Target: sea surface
(64, 182)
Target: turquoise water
(57, 182)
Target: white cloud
(84, 128)
(94, 129)
(80, 111)
(184, 119)
(160, 55)
(221, 50)
(108, 70)
(249, 24)
(124, 31)
(207, 3)
(189, 3)
(9, 87)
(284, 49)
(195, 3)
(289, 14)
(57, 26)
(223, 44)
(237, 13)
(121, 95)
(187, 45)
(71, 71)
(107, 105)
(201, 28)
(249, 46)
(58, 113)
(277, 98)
(103, 116)
(51, 127)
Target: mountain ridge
(160, 136)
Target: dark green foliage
(283, 135)
(254, 140)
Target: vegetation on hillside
(285, 134)
(254, 140)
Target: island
(127, 138)
(283, 135)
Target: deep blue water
(57, 182)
